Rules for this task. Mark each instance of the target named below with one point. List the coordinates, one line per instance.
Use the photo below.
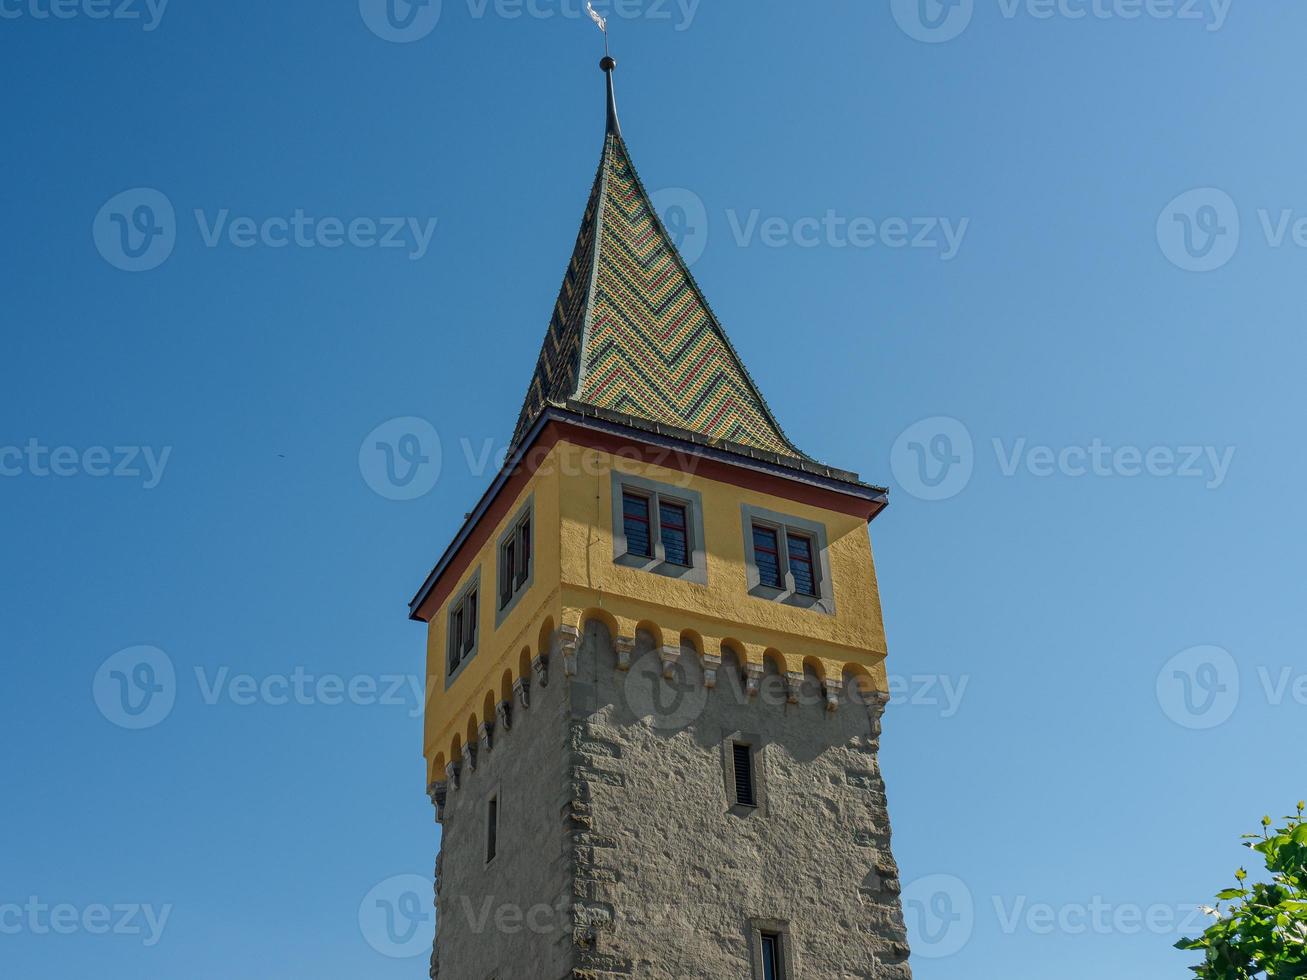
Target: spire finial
(607, 64)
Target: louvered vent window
(744, 789)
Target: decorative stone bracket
(832, 688)
(486, 733)
(711, 664)
(793, 686)
(540, 665)
(504, 714)
(569, 638)
(522, 688)
(753, 679)
(451, 775)
(625, 647)
(438, 792)
(470, 758)
(671, 657)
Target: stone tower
(656, 659)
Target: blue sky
(1040, 273)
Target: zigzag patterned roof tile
(631, 330)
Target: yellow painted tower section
(576, 577)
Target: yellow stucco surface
(576, 577)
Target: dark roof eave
(655, 433)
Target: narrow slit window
(801, 566)
(455, 638)
(507, 572)
(772, 963)
(675, 533)
(523, 553)
(492, 829)
(766, 550)
(635, 520)
(470, 617)
(745, 795)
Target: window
(461, 643)
(767, 553)
(674, 533)
(515, 572)
(635, 521)
(773, 965)
(773, 955)
(658, 528)
(492, 829)
(800, 549)
(786, 559)
(743, 767)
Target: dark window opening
(766, 552)
(675, 533)
(507, 572)
(635, 524)
(745, 794)
(492, 830)
(523, 553)
(773, 967)
(462, 630)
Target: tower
(656, 658)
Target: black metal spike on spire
(608, 64)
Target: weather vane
(602, 22)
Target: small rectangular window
(470, 617)
(766, 550)
(801, 567)
(455, 638)
(635, 520)
(462, 629)
(514, 562)
(773, 964)
(492, 829)
(744, 791)
(675, 533)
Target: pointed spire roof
(631, 331)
